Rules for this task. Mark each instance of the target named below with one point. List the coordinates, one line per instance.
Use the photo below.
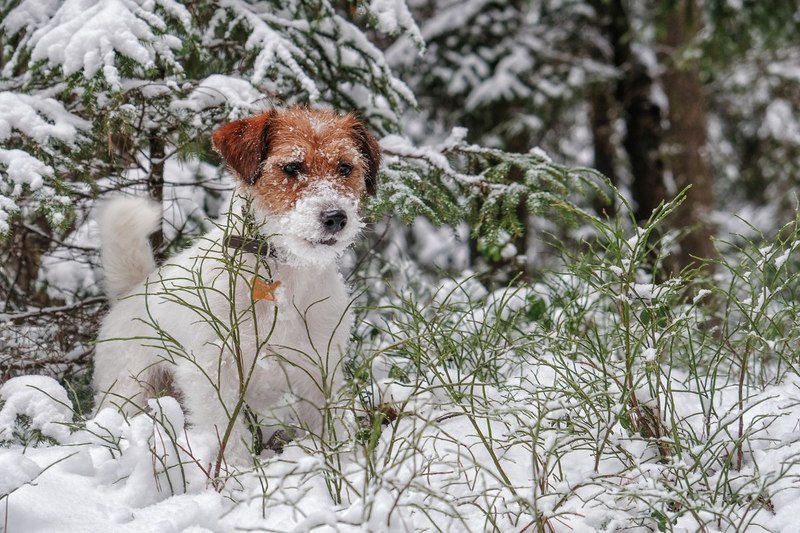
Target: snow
(453, 15)
(43, 120)
(435, 469)
(780, 122)
(7, 207)
(187, 201)
(30, 13)
(646, 291)
(39, 118)
(444, 247)
(781, 260)
(66, 272)
(39, 398)
(393, 16)
(649, 354)
(702, 293)
(17, 471)
(548, 436)
(504, 83)
(548, 457)
(87, 35)
(272, 47)
(397, 145)
(23, 168)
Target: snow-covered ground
(543, 448)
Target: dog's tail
(125, 224)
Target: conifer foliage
(100, 96)
(106, 97)
(94, 88)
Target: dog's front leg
(216, 404)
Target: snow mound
(39, 403)
(16, 472)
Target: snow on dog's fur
(300, 175)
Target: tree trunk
(21, 256)
(155, 186)
(643, 140)
(643, 136)
(602, 106)
(687, 155)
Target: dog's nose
(334, 220)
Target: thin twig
(44, 311)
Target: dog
(249, 327)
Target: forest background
(624, 169)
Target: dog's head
(305, 171)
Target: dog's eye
(291, 168)
(344, 169)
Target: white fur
(171, 321)
(125, 224)
(303, 227)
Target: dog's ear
(371, 152)
(243, 145)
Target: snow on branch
(218, 90)
(271, 45)
(45, 122)
(41, 119)
(393, 16)
(91, 36)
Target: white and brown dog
(250, 324)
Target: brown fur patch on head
(371, 152)
(320, 145)
(243, 144)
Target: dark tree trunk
(21, 255)
(687, 136)
(602, 111)
(643, 135)
(643, 139)
(155, 186)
